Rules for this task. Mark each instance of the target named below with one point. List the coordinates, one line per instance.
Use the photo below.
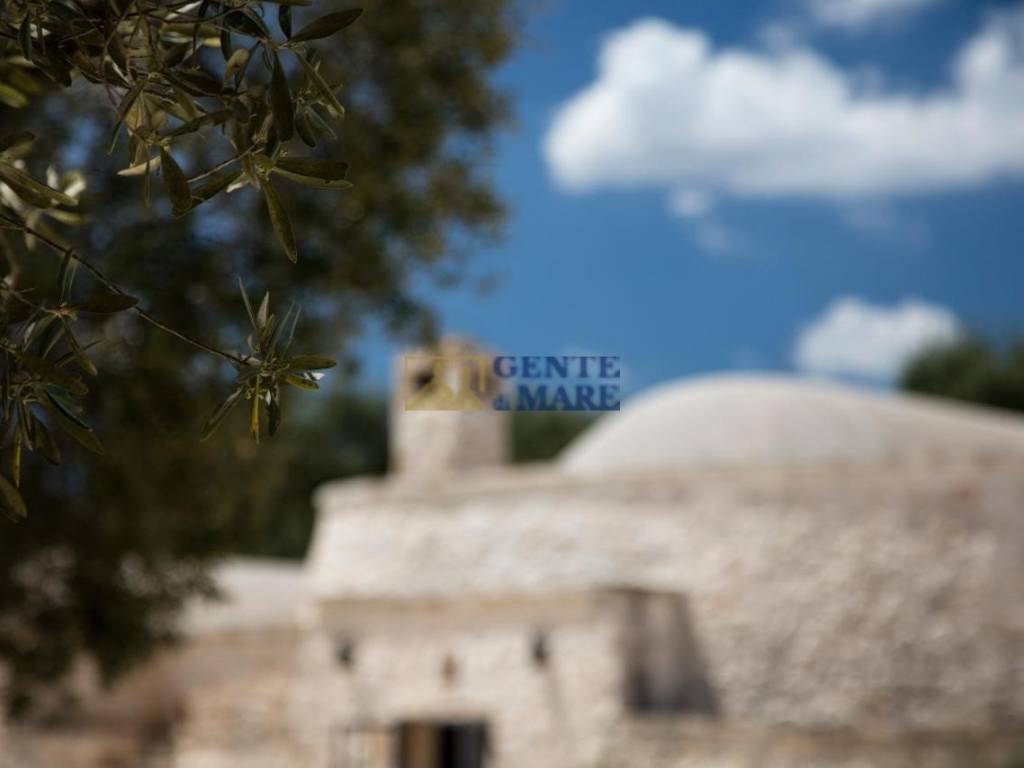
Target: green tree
(151, 62)
(972, 370)
(541, 435)
(345, 436)
(125, 538)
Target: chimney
(442, 417)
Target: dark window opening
(539, 649)
(345, 653)
(442, 745)
(420, 380)
(664, 669)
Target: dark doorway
(442, 745)
(665, 670)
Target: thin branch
(104, 280)
(220, 166)
(17, 296)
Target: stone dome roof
(786, 420)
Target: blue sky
(914, 235)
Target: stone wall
(847, 616)
(668, 743)
(218, 702)
(238, 688)
(882, 596)
(464, 661)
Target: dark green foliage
(152, 60)
(538, 436)
(420, 113)
(971, 370)
(326, 26)
(345, 436)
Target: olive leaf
(147, 165)
(195, 82)
(279, 219)
(248, 305)
(263, 313)
(127, 102)
(211, 118)
(12, 97)
(16, 143)
(71, 424)
(327, 25)
(247, 23)
(310, 362)
(304, 129)
(176, 183)
(16, 454)
(254, 413)
(77, 352)
(274, 413)
(213, 187)
(284, 19)
(323, 89)
(301, 382)
(43, 441)
(50, 374)
(11, 502)
(324, 174)
(220, 413)
(281, 102)
(226, 49)
(30, 190)
(25, 37)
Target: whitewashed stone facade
(873, 598)
(848, 564)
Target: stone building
(732, 571)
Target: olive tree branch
(70, 253)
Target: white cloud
(854, 337)
(857, 14)
(690, 203)
(669, 110)
(713, 236)
(882, 221)
(697, 207)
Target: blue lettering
(504, 367)
(609, 400)
(531, 367)
(584, 398)
(560, 366)
(525, 401)
(610, 368)
(561, 401)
